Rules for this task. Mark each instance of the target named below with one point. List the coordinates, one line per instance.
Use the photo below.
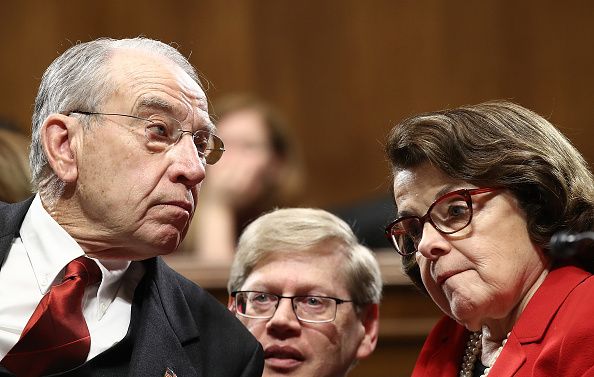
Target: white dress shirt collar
(50, 248)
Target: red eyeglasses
(449, 214)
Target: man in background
(120, 139)
(310, 293)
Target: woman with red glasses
(479, 191)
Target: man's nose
(284, 322)
(189, 166)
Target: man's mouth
(283, 357)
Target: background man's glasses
(263, 305)
(163, 132)
(449, 214)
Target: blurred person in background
(308, 290)
(368, 218)
(15, 176)
(261, 169)
(479, 192)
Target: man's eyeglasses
(163, 132)
(449, 214)
(263, 305)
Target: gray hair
(290, 230)
(79, 80)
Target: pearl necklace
(473, 351)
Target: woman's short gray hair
(293, 230)
(79, 79)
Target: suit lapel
(442, 352)
(542, 307)
(11, 218)
(162, 325)
(174, 302)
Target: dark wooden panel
(342, 70)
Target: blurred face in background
(249, 168)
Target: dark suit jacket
(175, 324)
(554, 335)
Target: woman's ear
(57, 138)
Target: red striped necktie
(56, 338)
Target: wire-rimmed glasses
(448, 214)
(162, 132)
(263, 305)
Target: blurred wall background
(341, 70)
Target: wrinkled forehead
(146, 83)
(419, 186)
(407, 184)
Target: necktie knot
(84, 268)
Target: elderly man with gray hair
(308, 291)
(120, 140)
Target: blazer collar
(537, 316)
(174, 301)
(443, 350)
(512, 357)
(11, 218)
(162, 320)
(541, 308)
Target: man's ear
(369, 317)
(57, 138)
(231, 304)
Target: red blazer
(553, 337)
